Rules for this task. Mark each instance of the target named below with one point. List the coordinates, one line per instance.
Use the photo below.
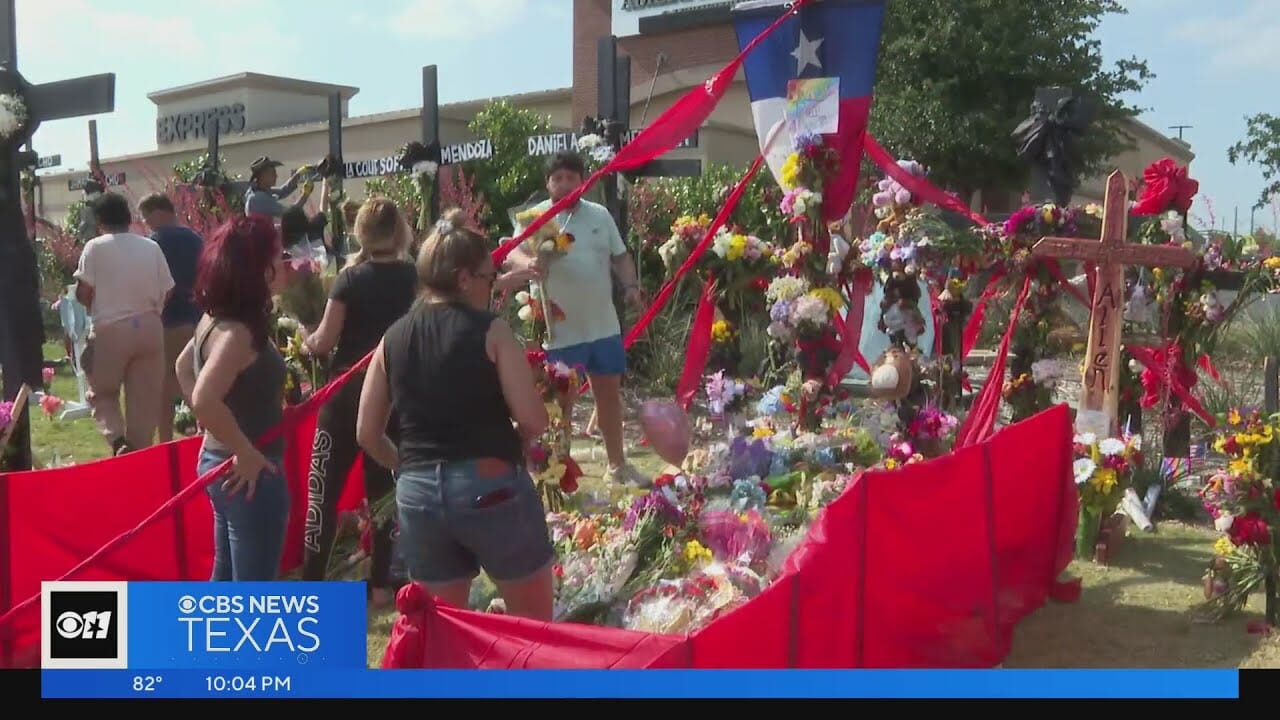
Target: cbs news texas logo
(83, 625)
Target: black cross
(21, 329)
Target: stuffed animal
(900, 315)
(891, 375)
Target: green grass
(67, 442)
(1138, 613)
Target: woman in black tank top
(233, 378)
(455, 380)
(375, 288)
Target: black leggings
(333, 453)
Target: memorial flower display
(1244, 500)
(698, 544)
(1103, 470)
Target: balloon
(666, 427)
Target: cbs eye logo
(83, 625)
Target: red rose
(1166, 186)
(664, 480)
(558, 571)
(538, 455)
(1250, 530)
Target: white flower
(525, 313)
(1224, 522)
(1135, 367)
(1111, 446)
(589, 142)
(1135, 442)
(287, 323)
(425, 167)
(13, 115)
(1046, 372)
(720, 246)
(1083, 470)
(523, 297)
(1088, 439)
(786, 288)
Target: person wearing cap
(263, 197)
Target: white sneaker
(627, 475)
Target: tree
(508, 178)
(956, 76)
(1261, 146)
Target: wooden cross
(1100, 395)
(22, 331)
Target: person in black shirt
(182, 247)
(455, 381)
(375, 288)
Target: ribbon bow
(1165, 369)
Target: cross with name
(1100, 395)
(22, 329)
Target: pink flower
(50, 404)
(47, 374)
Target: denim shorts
(606, 356)
(458, 518)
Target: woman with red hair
(233, 378)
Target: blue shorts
(459, 518)
(599, 357)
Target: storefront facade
(673, 45)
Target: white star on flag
(806, 53)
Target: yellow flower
(762, 431)
(737, 248)
(791, 171)
(721, 331)
(1233, 417)
(1223, 546)
(1241, 466)
(890, 464)
(695, 553)
(1158, 274)
(564, 241)
(1046, 212)
(1104, 481)
(829, 296)
(1272, 263)
(1093, 209)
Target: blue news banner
(308, 640)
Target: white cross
(806, 53)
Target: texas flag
(834, 46)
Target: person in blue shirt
(181, 247)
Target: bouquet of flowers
(1244, 501)
(686, 233)
(311, 274)
(1103, 471)
(738, 262)
(598, 557)
(547, 244)
(554, 470)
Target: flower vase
(1088, 527)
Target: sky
(1210, 61)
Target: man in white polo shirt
(124, 281)
(580, 283)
